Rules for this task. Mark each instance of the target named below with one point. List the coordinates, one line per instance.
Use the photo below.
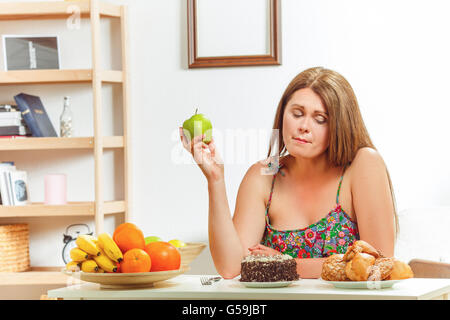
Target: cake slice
(258, 268)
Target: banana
(78, 255)
(100, 270)
(89, 266)
(105, 263)
(73, 266)
(94, 239)
(107, 244)
(85, 242)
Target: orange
(124, 225)
(128, 238)
(135, 260)
(164, 256)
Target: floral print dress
(332, 234)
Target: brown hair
(347, 131)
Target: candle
(55, 189)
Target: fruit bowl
(126, 280)
(190, 252)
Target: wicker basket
(14, 248)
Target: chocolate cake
(257, 268)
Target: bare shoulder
(367, 158)
(367, 163)
(250, 201)
(372, 200)
(257, 175)
(249, 214)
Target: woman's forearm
(224, 243)
(309, 268)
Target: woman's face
(305, 125)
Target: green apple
(197, 125)
(152, 239)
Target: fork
(205, 281)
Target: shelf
(55, 143)
(113, 142)
(36, 276)
(93, 76)
(38, 209)
(49, 76)
(54, 10)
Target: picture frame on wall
(233, 33)
(30, 52)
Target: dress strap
(339, 187)
(271, 189)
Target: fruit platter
(126, 280)
(128, 259)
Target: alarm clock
(69, 238)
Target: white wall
(394, 53)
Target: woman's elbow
(228, 276)
(229, 273)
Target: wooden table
(189, 287)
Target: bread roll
(360, 246)
(362, 262)
(333, 268)
(381, 269)
(400, 271)
(358, 269)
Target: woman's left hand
(263, 250)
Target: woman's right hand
(210, 162)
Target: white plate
(274, 284)
(362, 284)
(123, 280)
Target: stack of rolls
(362, 262)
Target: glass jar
(65, 121)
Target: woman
(331, 165)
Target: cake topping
(263, 258)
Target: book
(11, 122)
(18, 186)
(35, 116)
(5, 167)
(9, 187)
(4, 188)
(8, 119)
(14, 131)
(11, 115)
(7, 108)
(13, 137)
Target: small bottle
(65, 121)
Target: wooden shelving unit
(38, 209)
(36, 276)
(57, 76)
(113, 142)
(56, 10)
(94, 10)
